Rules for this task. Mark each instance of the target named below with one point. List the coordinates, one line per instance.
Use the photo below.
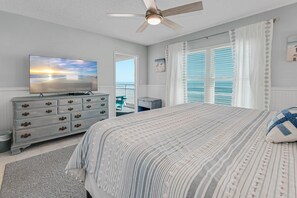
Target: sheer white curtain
(176, 82)
(252, 62)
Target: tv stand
(37, 119)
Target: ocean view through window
(126, 89)
(125, 85)
(196, 75)
(210, 75)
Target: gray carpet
(42, 176)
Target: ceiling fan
(155, 16)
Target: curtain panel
(251, 47)
(176, 79)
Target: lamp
(154, 19)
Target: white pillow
(283, 127)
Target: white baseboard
(7, 93)
(157, 91)
(281, 97)
(6, 110)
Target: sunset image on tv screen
(51, 75)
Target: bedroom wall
(284, 80)
(21, 36)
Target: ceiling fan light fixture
(154, 19)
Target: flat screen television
(56, 75)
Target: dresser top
(55, 97)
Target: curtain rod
(217, 34)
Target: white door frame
(135, 57)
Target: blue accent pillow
(283, 126)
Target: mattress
(190, 150)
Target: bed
(190, 150)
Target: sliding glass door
(125, 69)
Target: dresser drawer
(30, 113)
(95, 99)
(42, 121)
(103, 112)
(36, 104)
(103, 104)
(85, 124)
(69, 108)
(85, 115)
(70, 101)
(98, 105)
(36, 133)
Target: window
(210, 74)
(196, 63)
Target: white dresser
(38, 119)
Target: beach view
(221, 79)
(125, 82)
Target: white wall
(21, 36)
(283, 73)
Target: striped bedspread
(191, 150)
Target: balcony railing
(127, 90)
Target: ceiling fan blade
(150, 4)
(192, 7)
(125, 15)
(142, 27)
(171, 24)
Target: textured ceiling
(90, 15)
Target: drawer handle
(70, 109)
(48, 111)
(102, 112)
(25, 135)
(48, 103)
(62, 128)
(77, 125)
(25, 105)
(25, 124)
(70, 101)
(62, 118)
(25, 114)
(102, 98)
(89, 100)
(77, 116)
(89, 106)
(103, 104)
